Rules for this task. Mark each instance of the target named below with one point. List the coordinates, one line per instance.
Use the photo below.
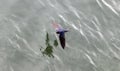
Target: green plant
(49, 48)
(55, 43)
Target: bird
(61, 32)
(62, 37)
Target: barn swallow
(61, 32)
(62, 37)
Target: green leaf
(55, 43)
(47, 39)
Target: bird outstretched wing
(57, 26)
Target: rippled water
(93, 40)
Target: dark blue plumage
(62, 37)
(61, 32)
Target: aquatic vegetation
(47, 39)
(49, 48)
(55, 43)
(48, 51)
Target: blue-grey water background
(92, 43)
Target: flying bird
(61, 32)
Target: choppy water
(93, 40)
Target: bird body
(62, 37)
(61, 32)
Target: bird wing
(57, 26)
